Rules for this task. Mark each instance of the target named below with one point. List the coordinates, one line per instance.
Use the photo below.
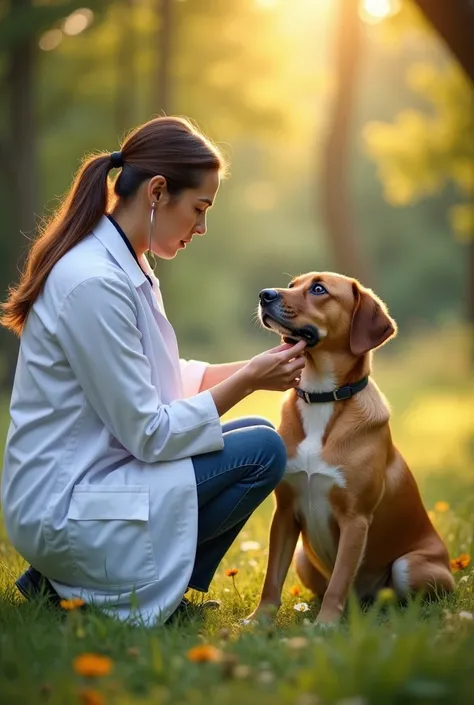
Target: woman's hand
(277, 369)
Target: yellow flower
(231, 572)
(295, 590)
(386, 595)
(91, 697)
(92, 665)
(441, 507)
(73, 604)
(204, 653)
(460, 562)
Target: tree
(23, 23)
(165, 44)
(441, 141)
(335, 186)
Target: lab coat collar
(107, 233)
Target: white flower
(466, 615)
(253, 563)
(464, 579)
(250, 546)
(297, 642)
(301, 607)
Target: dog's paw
(247, 622)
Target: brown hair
(169, 146)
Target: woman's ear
(371, 326)
(157, 190)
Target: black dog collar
(340, 394)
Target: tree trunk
(164, 55)
(125, 101)
(22, 164)
(454, 22)
(335, 183)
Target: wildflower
(73, 604)
(466, 615)
(250, 546)
(92, 665)
(460, 562)
(301, 607)
(204, 653)
(297, 642)
(295, 590)
(242, 671)
(91, 697)
(231, 573)
(441, 507)
(133, 651)
(386, 595)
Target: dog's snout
(268, 295)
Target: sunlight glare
(266, 4)
(373, 11)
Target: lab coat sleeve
(97, 329)
(192, 372)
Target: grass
(387, 655)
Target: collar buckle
(306, 397)
(342, 393)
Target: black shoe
(187, 609)
(33, 584)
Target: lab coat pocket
(109, 535)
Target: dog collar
(341, 394)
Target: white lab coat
(98, 487)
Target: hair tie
(116, 160)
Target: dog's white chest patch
(312, 478)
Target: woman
(120, 484)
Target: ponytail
(82, 208)
(169, 146)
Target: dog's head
(329, 311)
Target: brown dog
(347, 489)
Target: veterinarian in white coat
(111, 434)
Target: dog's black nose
(268, 295)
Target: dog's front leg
(352, 541)
(284, 533)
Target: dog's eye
(318, 289)
(290, 285)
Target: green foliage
(423, 150)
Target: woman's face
(176, 220)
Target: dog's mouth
(308, 333)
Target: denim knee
(273, 454)
(259, 421)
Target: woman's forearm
(231, 390)
(215, 374)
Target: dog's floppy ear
(371, 326)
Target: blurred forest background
(348, 123)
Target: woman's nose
(200, 230)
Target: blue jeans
(231, 483)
